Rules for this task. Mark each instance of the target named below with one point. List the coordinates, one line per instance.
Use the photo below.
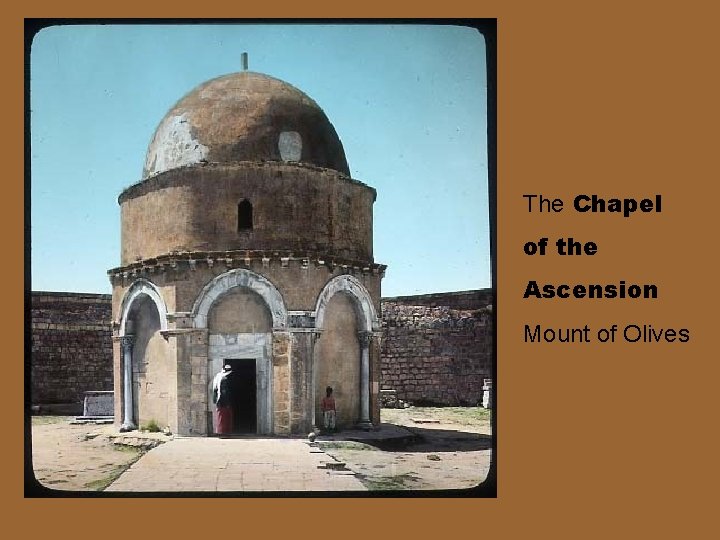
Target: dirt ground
(76, 457)
(452, 451)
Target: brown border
(614, 98)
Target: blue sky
(408, 102)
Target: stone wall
(437, 348)
(294, 207)
(71, 346)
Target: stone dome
(244, 116)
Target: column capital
(365, 338)
(126, 342)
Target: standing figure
(327, 406)
(223, 401)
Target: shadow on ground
(435, 440)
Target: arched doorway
(241, 310)
(240, 336)
(338, 361)
(149, 392)
(346, 320)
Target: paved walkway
(212, 464)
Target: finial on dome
(245, 61)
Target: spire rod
(245, 61)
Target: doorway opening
(243, 391)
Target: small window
(245, 217)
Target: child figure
(327, 406)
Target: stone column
(126, 345)
(281, 352)
(365, 339)
(313, 380)
(375, 375)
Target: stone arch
(239, 277)
(363, 302)
(138, 293)
(137, 289)
(367, 324)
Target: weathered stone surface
(337, 357)
(71, 346)
(240, 310)
(281, 347)
(98, 404)
(459, 300)
(436, 352)
(299, 288)
(437, 349)
(301, 381)
(244, 116)
(195, 209)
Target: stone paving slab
(213, 464)
(383, 434)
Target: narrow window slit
(245, 215)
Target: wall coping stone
(241, 259)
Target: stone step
(93, 420)
(334, 466)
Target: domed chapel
(246, 243)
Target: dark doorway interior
(243, 390)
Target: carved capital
(127, 341)
(365, 338)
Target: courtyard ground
(79, 457)
(450, 449)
